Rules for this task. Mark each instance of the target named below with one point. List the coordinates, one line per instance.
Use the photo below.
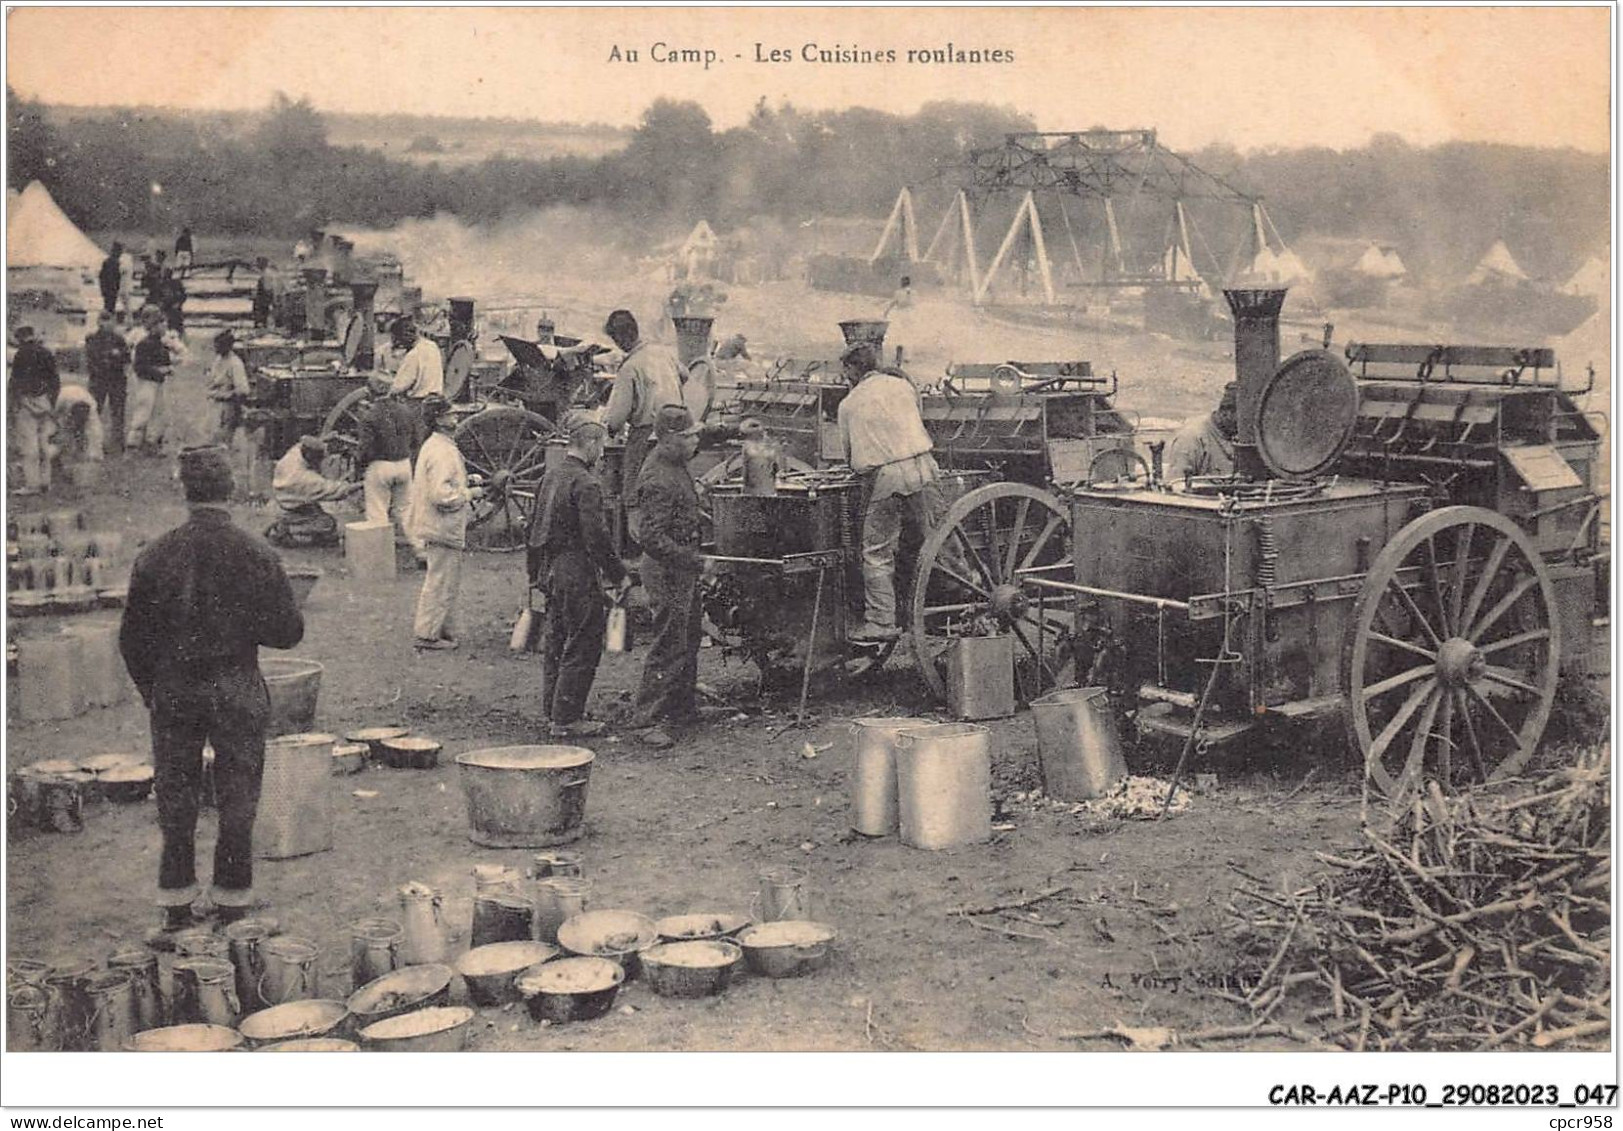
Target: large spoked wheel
(507, 448)
(974, 575)
(342, 428)
(1451, 661)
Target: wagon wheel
(1118, 465)
(1450, 665)
(507, 448)
(975, 568)
(342, 430)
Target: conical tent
(39, 234)
(1380, 263)
(1498, 265)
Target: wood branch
(1552, 1037)
(994, 908)
(1009, 931)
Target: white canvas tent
(1594, 279)
(39, 234)
(1497, 266)
(698, 251)
(1380, 263)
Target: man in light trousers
(441, 501)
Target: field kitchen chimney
(692, 337)
(461, 319)
(1256, 357)
(366, 294)
(315, 303)
(859, 331)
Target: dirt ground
(1135, 927)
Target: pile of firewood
(1478, 921)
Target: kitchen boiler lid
(458, 365)
(1306, 415)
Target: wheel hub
(499, 483)
(1008, 602)
(1458, 662)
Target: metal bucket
(26, 972)
(244, 940)
(557, 900)
(502, 917)
(1077, 744)
(146, 989)
(782, 895)
(374, 949)
(112, 1011)
(873, 773)
(525, 796)
(205, 993)
(424, 941)
(294, 686)
(67, 1005)
(26, 1010)
(200, 942)
(944, 785)
(295, 799)
(290, 970)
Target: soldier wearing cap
(887, 445)
(203, 599)
(299, 489)
(572, 559)
(422, 371)
(441, 502)
(31, 392)
(667, 505)
(1204, 445)
(388, 440)
(228, 388)
(648, 379)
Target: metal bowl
(185, 1038)
(700, 968)
(787, 948)
(401, 991)
(127, 784)
(349, 758)
(410, 752)
(489, 971)
(101, 763)
(571, 989)
(444, 1028)
(701, 925)
(293, 1020)
(373, 738)
(619, 936)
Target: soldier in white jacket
(441, 502)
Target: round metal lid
(699, 387)
(352, 338)
(1306, 415)
(458, 365)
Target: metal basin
(525, 796)
(788, 948)
(488, 971)
(401, 991)
(443, 1028)
(701, 968)
(571, 989)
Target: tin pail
(146, 991)
(1077, 744)
(502, 917)
(782, 895)
(556, 862)
(26, 1008)
(873, 773)
(112, 1011)
(290, 970)
(26, 972)
(374, 949)
(525, 796)
(424, 941)
(295, 799)
(67, 1005)
(200, 942)
(944, 785)
(294, 686)
(61, 803)
(205, 993)
(244, 940)
(558, 899)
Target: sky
(1250, 77)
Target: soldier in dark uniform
(202, 599)
(571, 559)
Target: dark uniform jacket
(668, 512)
(388, 432)
(570, 516)
(107, 355)
(152, 360)
(202, 599)
(33, 373)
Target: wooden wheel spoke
(1045, 674)
(1507, 678)
(1405, 645)
(1041, 543)
(1392, 683)
(1014, 537)
(973, 586)
(1445, 745)
(1434, 580)
(1514, 641)
(1414, 611)
(974, 555)
(1496, 558)
(1456, 593)
(1493, 713)
(483, 451)
(1414, 766)
(1395, 725)
(1474, 744)
(1517, 592)
(938, 610)
(1044, 625)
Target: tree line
(1441, 206)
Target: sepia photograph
(906, 530)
